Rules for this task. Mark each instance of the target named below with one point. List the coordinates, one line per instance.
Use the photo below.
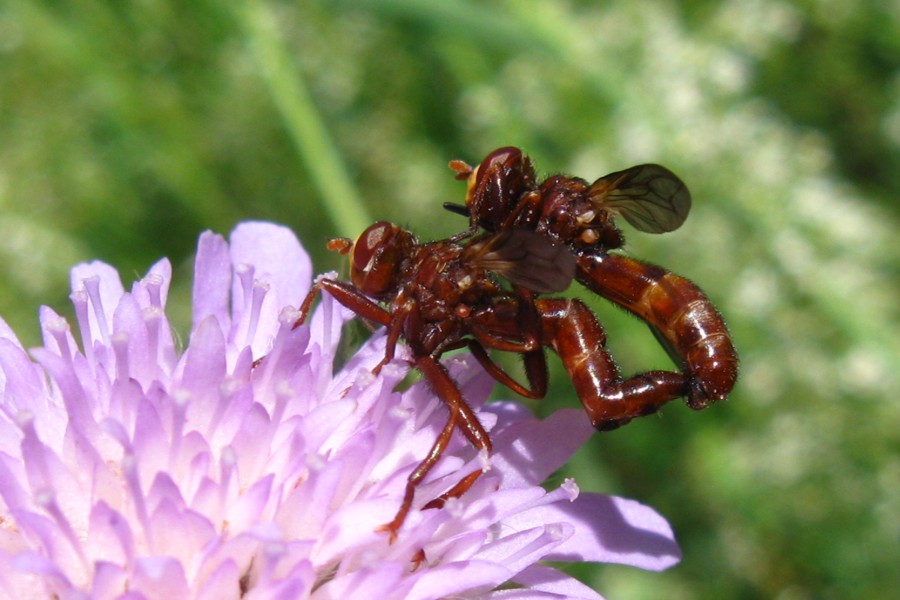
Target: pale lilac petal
(74, 398)
(53, 579)
(194, 532)
(57, 334)
(160, 578)
(221, 583)
(153, 289)
(277, 257)
(455, 578)
(354, 526)
(287, 589)
(617, 530)
(250, 508)
(109, 536)
(7, 333)
(521, 549)
(546, 583)
(377, 581)
(20, 379)
(212, 281)
(101, 283)
(109, 581)
(276, 261)
(522, 453)
(13, 483)
(131, 343)
(204, 365)
(251, 456)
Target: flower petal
(277, 261)
(615, 530)
(160, 578)
(376, 581)
(546, 583)
(528, 451)
(103, 287)
(455, 578)
(212, 281)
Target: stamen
(80, 303)
(153, 316)
(92, 286)
(260, 289)
(58, 328)
(46, 498)
(244, 274)
(153, 284)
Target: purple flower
(130, 469)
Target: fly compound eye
(376, 257)
(497, 185)
(502, 159)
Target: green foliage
(126, 128)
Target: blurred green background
(127, 128)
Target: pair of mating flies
(538, 236)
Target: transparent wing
(650, 197)
(525, 258)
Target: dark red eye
(375, 262)
(501, 159)
(502, 178)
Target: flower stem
(304, 123)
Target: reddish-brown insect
(505, 195)
(443, 295)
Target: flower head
(131, 470)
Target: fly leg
(535, 369)
(347, 295)
(462, 417)
(572, 330)
(512, 326)
(364, 308)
